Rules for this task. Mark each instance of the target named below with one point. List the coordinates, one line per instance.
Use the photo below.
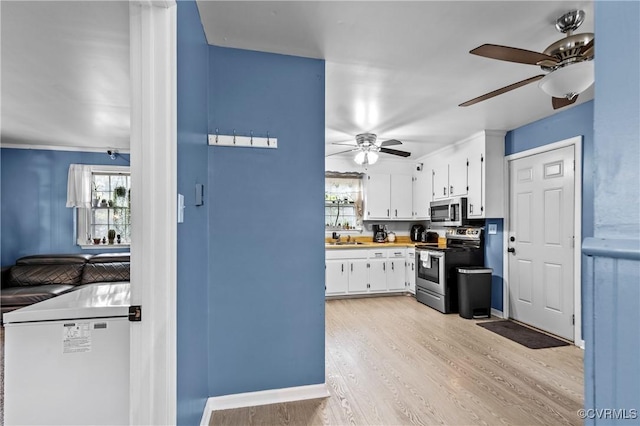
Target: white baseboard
(271, 396)
(496, 313)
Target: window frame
(82, 216)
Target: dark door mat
(520, 334)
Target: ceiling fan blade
(391, 142)
(512, 54)
(395, 152)
(501, 91)
(562, 102)
(342, 152)
(587, 49)
(343, 143)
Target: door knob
(511, 250)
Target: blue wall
(494, 258)
(612, 302)
(266, 223)
(34, 194)
(192, 279)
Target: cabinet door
(458, 175)
(441, 182)
(358, 276)
(377, 275)
(336, 277)
(401, 197)
(422, 190)
(378, 196)
(475, 196)
(411, 271)
(396, 274)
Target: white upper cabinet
(486, 175)
(472, 168)
(378, 201)
(389, 197)
(401, 197)
(441, 181)
(458, 174)
(450, 175)
(422, 193)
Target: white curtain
(79, 186)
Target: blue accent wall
(192, 274)
(612, 291)
(493, 258)
(35, 219)
(266, 223)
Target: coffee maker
(379, 234)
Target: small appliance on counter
(417, 232)
(391, 237)
(379, 234)
(430, 237)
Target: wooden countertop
(366, 242)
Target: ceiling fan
(568, 61)
(368, 148)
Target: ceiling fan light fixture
(568, 81)
(364, 158)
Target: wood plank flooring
(394, 361)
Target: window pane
(100, 216)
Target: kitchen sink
(345, 243)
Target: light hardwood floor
(394, 361)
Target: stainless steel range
(436, 277)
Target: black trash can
(474, 292)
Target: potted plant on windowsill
(112, 235)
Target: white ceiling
(65, 74)
(398, 69)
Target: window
(108, 220)
(343, 206)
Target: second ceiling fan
(568, 61)
(368, 147)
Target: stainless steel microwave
(450, 212)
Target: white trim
(271, 396)
(496, 313)
(576, 142)
(65, 148)
(153, 61)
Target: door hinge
(135, 313)
(573, 319)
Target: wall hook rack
(243, 141)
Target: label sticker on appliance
(76, 337)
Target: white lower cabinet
(365, 271)
(411, 271)
(396, 276)
(358, 273)
(336, 279)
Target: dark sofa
(40, 277)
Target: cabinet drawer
(345, 254)
(398, 253)
(378, 254)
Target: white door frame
(576, 142)
(153, 62)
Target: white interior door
(541, 241)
